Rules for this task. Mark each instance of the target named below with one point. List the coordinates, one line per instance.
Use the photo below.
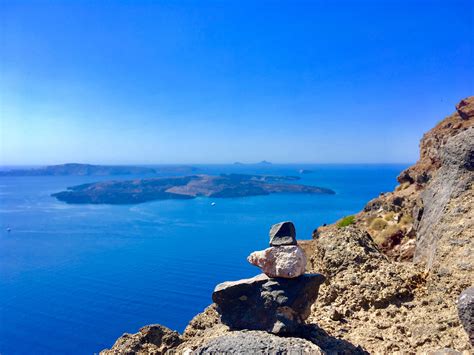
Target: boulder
(282, 233)
(286, 261)
(465, 108)
(258, 342)
(466, 311)
(279, 306)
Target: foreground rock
(152, 339)
(284, 261)
(466, 311)
(259, 343)
(279, 306)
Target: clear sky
(222, 81)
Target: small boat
(213, 203)
(9, 230)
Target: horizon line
(223, 163)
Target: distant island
(74, 169)
(263, 162)
(183, 187)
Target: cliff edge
(393, 272)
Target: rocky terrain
(183, 187)
(398, 276)
(73, 169)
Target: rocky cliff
(393, 272)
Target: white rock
(283, 261)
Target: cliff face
(393, 272)
(394, 276)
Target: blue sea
(73, 278)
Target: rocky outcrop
(434, 140)
(374, 296)
(152, 339)
(436, 209)
(259, 343)
(276, 305)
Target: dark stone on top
(282, 233)
(276, 305)
(466, 311)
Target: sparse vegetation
(388, 231)
(346, 221)
(402, 186)
(406, 219)
(378, 224)
(389, 216)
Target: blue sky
(222, 81)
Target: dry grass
(378, 224)
(406, 219)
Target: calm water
(75, 277)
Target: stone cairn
(280, 299)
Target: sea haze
(75, 277)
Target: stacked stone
(284, 258)
(280, 299)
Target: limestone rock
(151, 339)
(439, 217)
(258, 342)
(283, 233)
(279, 306)
(466, 311)
(285, 261)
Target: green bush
(346, 221)
(378, 224)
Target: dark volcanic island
(184, 187)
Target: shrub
(406, 219)
(389, 216)
(346, 221)
(378, 224)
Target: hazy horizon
(198, 164)
(208, 82)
